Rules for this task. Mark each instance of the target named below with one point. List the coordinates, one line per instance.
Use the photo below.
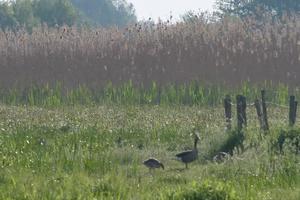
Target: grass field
(96, 152)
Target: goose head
(197, 138)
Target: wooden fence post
(264, 110)
(295, 111)
(292, 110)
(158, 96)
(241, 111)
(259, 113)
(227, 106)
(244, 106)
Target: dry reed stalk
(229, 51)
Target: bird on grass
(190, 155)
(221, 157)
(153, 163)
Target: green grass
(96, 152)
(193, 93)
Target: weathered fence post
(241, 111)
(158, 96)
(295, 111)
(292, 110)
(227, 106)
(264, 110)
(259, 113)
(244, 106)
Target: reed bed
(227, 51)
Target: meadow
(96, 150)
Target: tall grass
(226, 51)
(193, 93)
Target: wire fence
(261, 110)
(268, 103)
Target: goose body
(153, 163)
(190, 155)
(187, 156)
(220, 157)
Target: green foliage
(106, 12)
(257, 8)
(31, 13)
(24, 14)
(193, 93)
(55, 12)
(289, 140)
(208, 190)
(234, 140)
(7, 18)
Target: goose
(153, 163)
(190, 155)
(221, 157)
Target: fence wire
(268, 103)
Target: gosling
(153, 163)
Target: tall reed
(228, 51)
